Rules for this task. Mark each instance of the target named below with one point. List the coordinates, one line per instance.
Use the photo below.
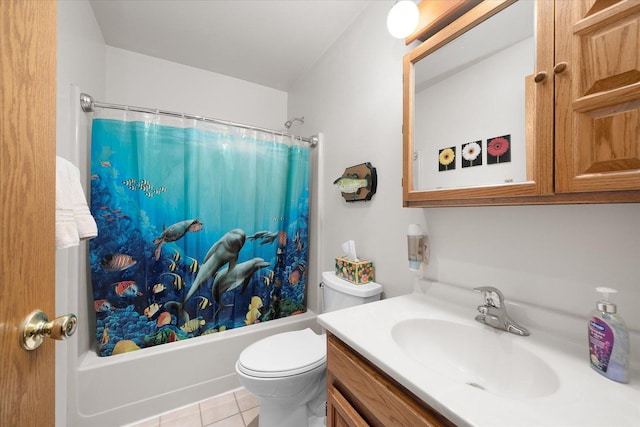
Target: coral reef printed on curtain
(199, 231)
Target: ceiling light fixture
(403, 18)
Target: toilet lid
(285, 354)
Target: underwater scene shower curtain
(201, 228)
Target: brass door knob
(37, 327)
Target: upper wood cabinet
(582, 108)
(437, 14)
(597, 87)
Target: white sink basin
(489, 360)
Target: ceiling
(268, 42)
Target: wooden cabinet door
(597, 95)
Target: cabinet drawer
(340, 413)
(376, 397)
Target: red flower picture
(499, 149)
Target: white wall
(81, 61)
(145, 81)
(354, 96)
(548, 255)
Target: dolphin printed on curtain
(201, 228)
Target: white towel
(73, 218)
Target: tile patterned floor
(237, 408)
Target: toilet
(287, 372)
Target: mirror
(470, 105)
(473, 118)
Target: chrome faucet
(494, 313)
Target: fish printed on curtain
(200, 230)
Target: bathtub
(124, 388)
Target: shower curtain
(201, 228)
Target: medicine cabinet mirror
(478, 108)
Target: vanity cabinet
(582, 108)
(359, 394)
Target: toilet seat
(283, 355)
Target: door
(597, 95)
(27, 190)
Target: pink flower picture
(499, 149)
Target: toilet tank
(338, 293)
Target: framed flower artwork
(499, 150)
(446, 159)
(472, 154)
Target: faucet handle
(492, 296)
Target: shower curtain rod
(87, 104)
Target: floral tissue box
(355, 272)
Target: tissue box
(355, 272)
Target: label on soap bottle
(600, 344)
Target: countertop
(583, 397)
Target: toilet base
(285, 416)
(312, 421)
(312, 414)
(317, 421)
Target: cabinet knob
(560, 67)
(540, 77)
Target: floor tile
(250, 417)
(246, 399)
(185, 417)
(237, 408)
(233, 421)
(218, 408)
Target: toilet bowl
(287, 372)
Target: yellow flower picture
(446, 159)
